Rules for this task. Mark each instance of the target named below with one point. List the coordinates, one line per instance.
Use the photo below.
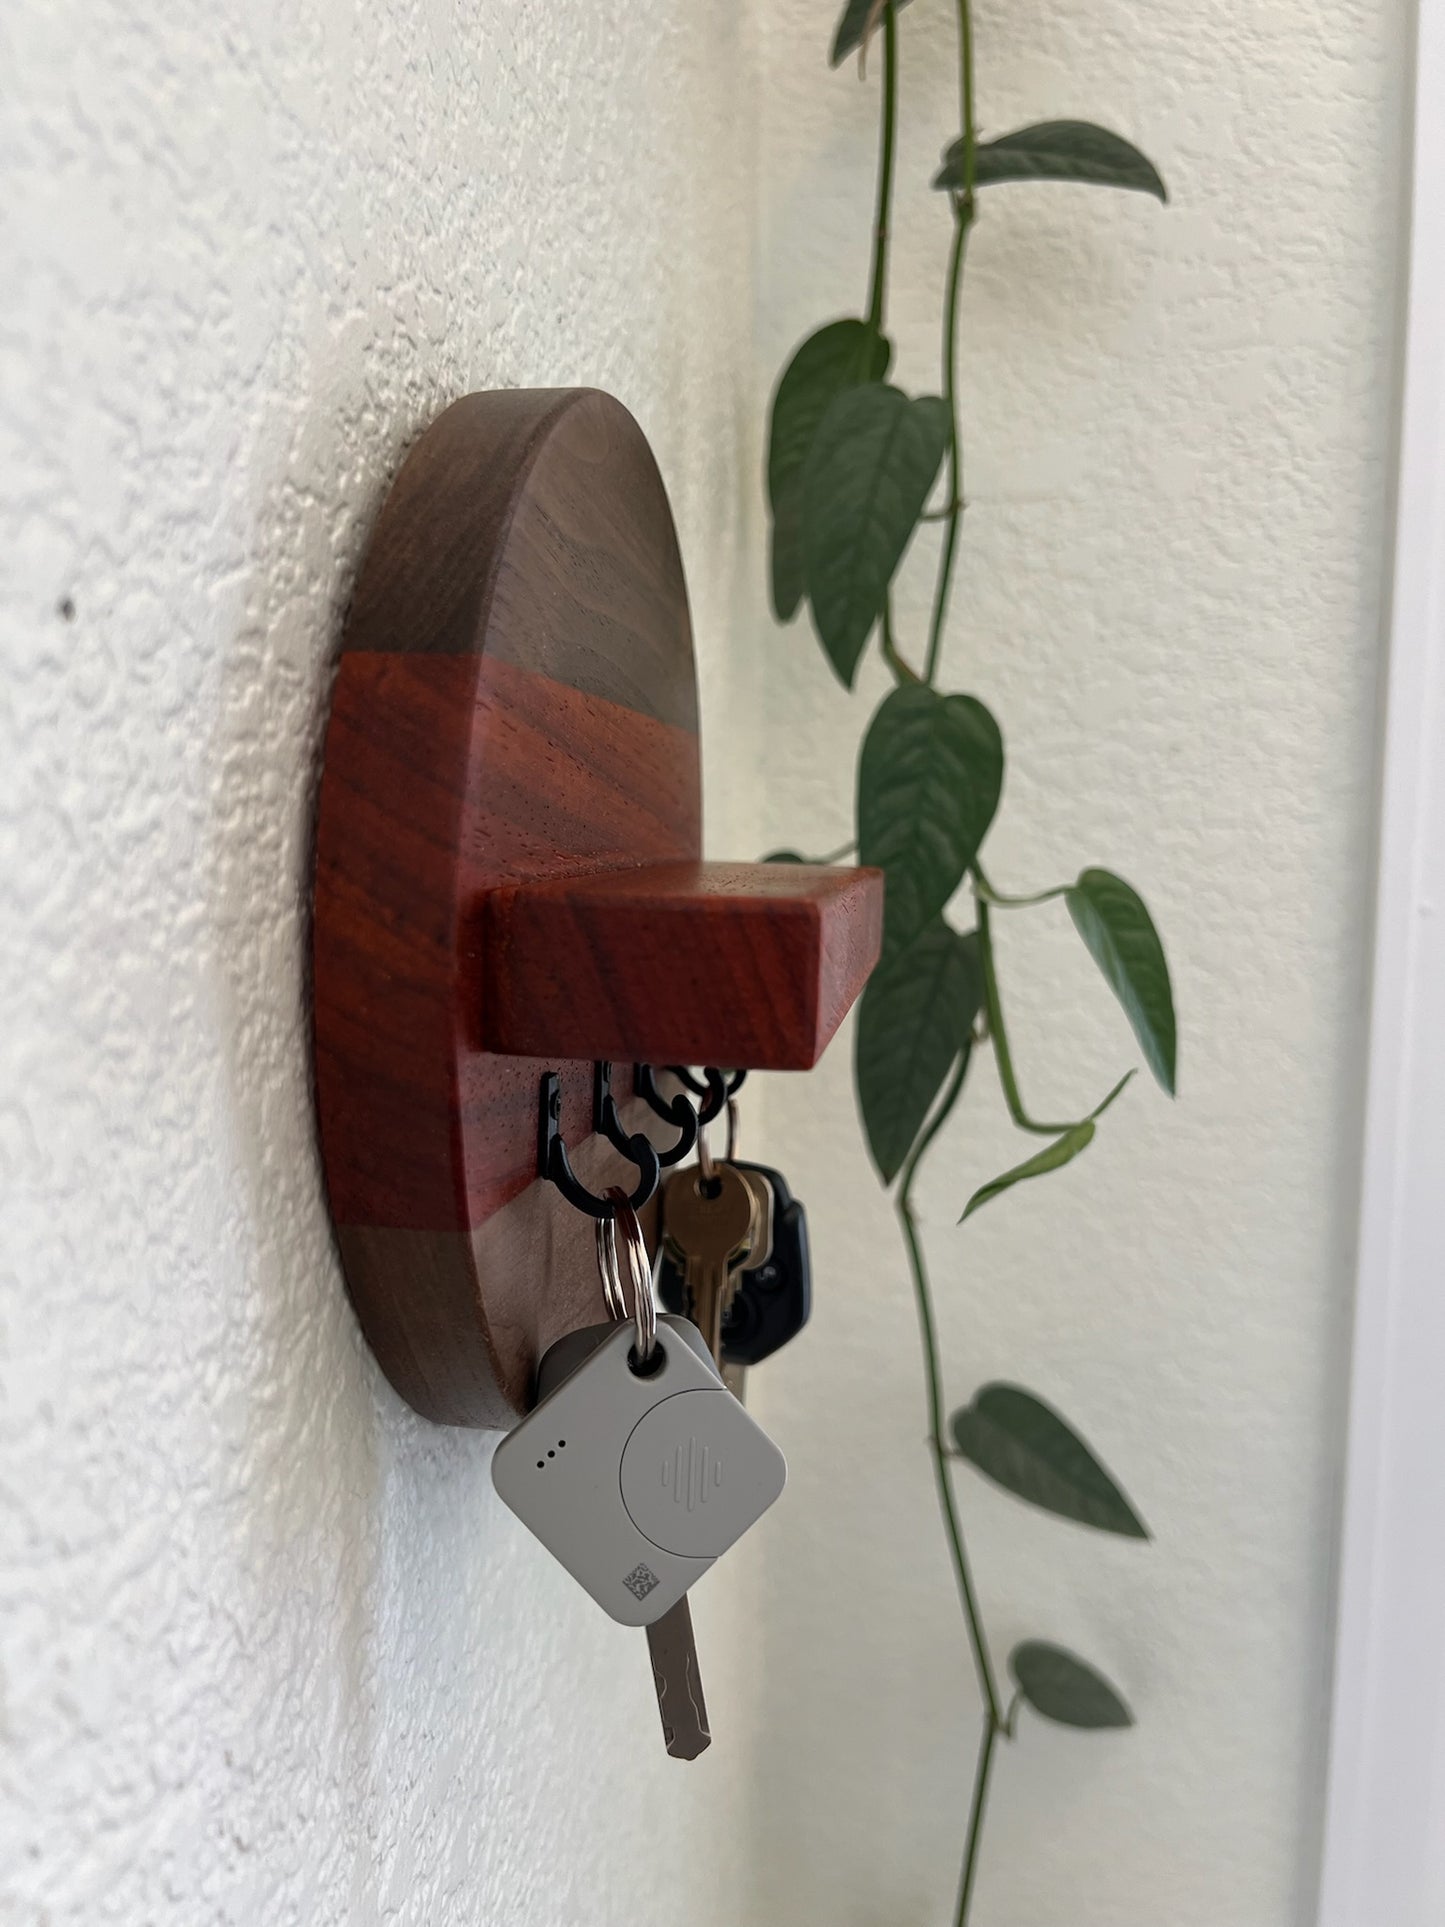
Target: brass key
(760, 1249)
(760, 1244)
(709, 1224)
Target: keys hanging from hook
(710, 1219)
(769, 1298)
(637, 1470)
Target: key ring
(721, 1093)
(644, 1306)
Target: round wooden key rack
(509, 884)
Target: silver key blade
(679, 1683)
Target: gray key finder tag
(637, 1484)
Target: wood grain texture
(420, 1128)
(515, 704)
(722, 963)
(515, 698)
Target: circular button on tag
(697, 1472)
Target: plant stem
(991, 1730)
(994, 1008)
(994, 1719)
(903, 671)
(963, 216)
(961, 224)
(965, 97)
(888, 142)
(983, 1664)
(1000, 902)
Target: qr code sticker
(641, 1581)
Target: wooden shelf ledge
(740, 964)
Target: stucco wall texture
(272, 1653)
(1178, 423)
(269, 1650)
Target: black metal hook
(715, 1088)
(606, 1117)
(554, 1164)
(672, 1110)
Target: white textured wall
(1169, 592)
(269, 1650)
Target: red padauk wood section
(693, 963)
(508, 882)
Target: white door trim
(1384, 1846)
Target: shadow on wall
(321, 1425)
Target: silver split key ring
(624, 1221)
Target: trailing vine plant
(852, 463)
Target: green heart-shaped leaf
(1063, 1687)
(916, 1016)
(1121, 938)
(853, 24)
(1062, 1151)
(1024, 1446)
(929, 780)
(866, 479)
(838, 356)
(1056, 150)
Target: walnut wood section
(744, 964)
